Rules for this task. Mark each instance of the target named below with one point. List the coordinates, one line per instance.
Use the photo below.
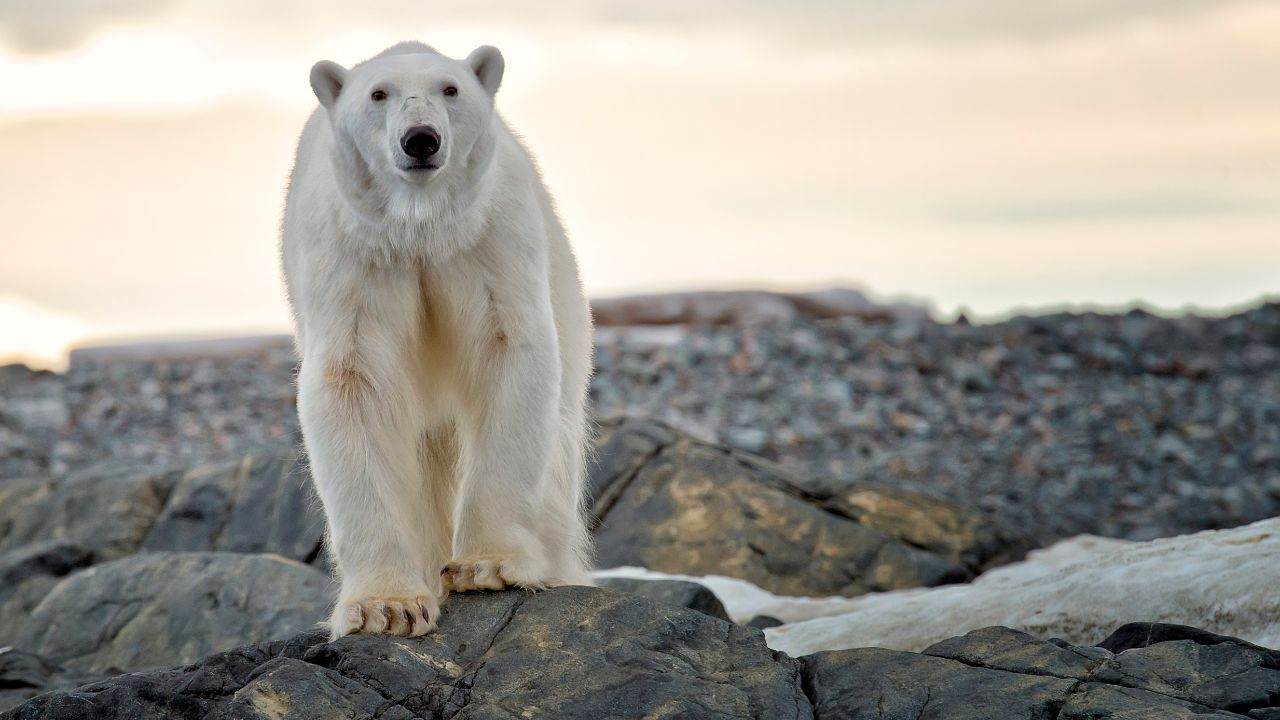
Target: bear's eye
(378, 95)
(450, 91)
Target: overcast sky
(985, 154)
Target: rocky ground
(196, 593)
(592, 653)
(1130, 426)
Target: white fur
(445, 343)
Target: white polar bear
(445, 341)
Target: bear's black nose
(420, 142)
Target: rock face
(565, 653)
(679, 593)
(597, 654)
(1157, 672)
(661, 500)
(157, 609)
(24, 675)
(667, 502)
(262, 502)
(109, 509)
(1077, 590)
(28, 574)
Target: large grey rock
(156, 609)
(108, 508)
(564, 653)
(667, 502)
(680, 593)
(28, 573)
(24, 675)
(1161, 673)
(594, 653)
(261, 502)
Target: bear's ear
(487, 63)
(326, 80)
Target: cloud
(42, 26)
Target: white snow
(742, 600)
(1225, 581)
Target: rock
(28, 574)
(564, 653)
(743, 601)
(998, 673)
(108, 508)
(680, 593)
(1076, 590)
(763, 622)
(666, 502)
(262, 502)
(1076, 434)
(24, 675)
(580, 652)
(156, 609)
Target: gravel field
(1128, 425)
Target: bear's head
(410, 115)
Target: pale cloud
(50, 25)
(1037, 154)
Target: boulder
(680, 593)
(664, 501)
(261, 502)
(566, 653)
(108, 508)
(27, 574)
(24, 675)
(1001, 674)
(579, 652)
(1224, 580)
(156, 609)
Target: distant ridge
(727, 307)
(151, 350)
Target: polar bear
(444, 337)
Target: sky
(994, 156)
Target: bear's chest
(458, 322)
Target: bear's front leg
(508, 430)
(362, 436)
